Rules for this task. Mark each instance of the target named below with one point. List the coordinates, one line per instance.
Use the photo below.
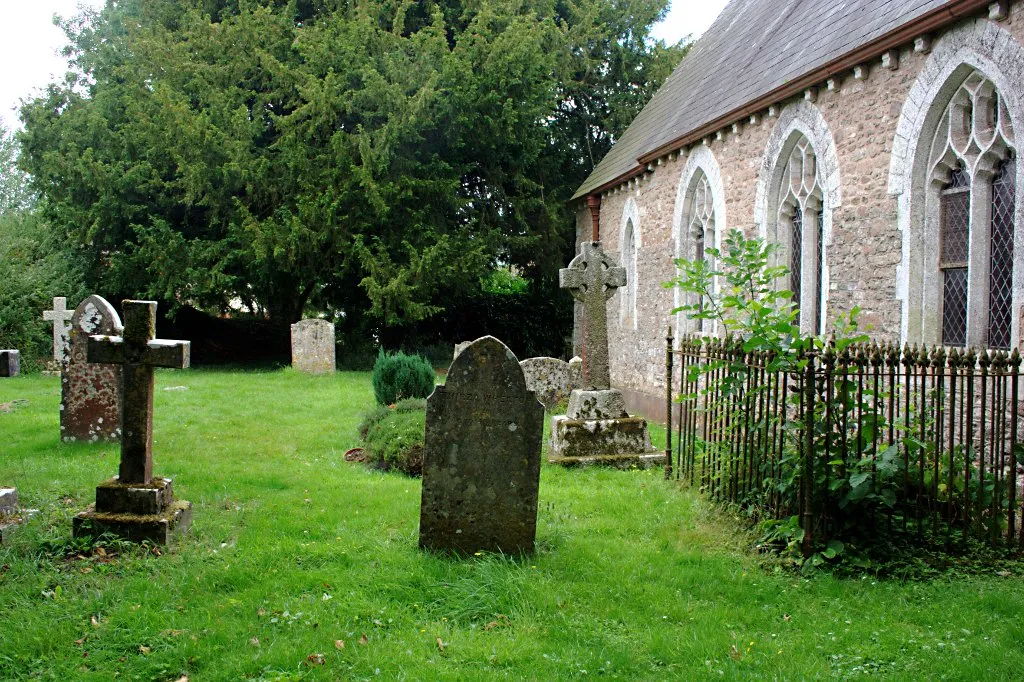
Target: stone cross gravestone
(592, 278)
(313, 346)
(135, 505)
(10, 363)
(90, 392)
(596, 428)
(60, 316)
(481, 459)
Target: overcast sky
(29, 42)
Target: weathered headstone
(596, 428)
(11, 516)
(90, 392)
(135, 505)
(10, 363)
(548, 378)
(8, 508)
(313, 346)
(481, 459)
(60, 316)
(459, 347)
(576, 373)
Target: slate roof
(753, 48)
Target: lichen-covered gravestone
(136, 505)
(481, 459)
(90, 392)
(549, 378)
(10, 363)
(313, 346)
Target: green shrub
(400, 376)
(393, 436)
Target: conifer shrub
(397, 376)
(393, 436)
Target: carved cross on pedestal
(138, 353)
(592, 277)
(60, 316)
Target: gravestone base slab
(623, 442)
(155, 528)
(143, 499)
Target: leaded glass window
(800, 201)
(701, 225)
(629, 258)
(1000, 291)
(954, 246)
(973, 176)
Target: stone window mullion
(809, 295)
(979, 256)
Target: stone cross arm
(156, 353)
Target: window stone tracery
(969, 203)
(800, 228)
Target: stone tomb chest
(313, 346)
(481, 459)
(90, 402)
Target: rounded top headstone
(486, 360)
(95, 315)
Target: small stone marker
(549, 378)
(90, 393)
(134, 505)
(313, 346)
(481, 459)
(10, 363)
(11, 516)
(60, 316)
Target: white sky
(30, 43)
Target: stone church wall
(862, 110)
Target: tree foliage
(377, 158)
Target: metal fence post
(808, 448)
(668, 400)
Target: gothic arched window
(701, 226)
(629, 262)
(972, 197)
(800, 228)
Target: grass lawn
(297, 557)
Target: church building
(872, 140)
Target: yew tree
(376, 157)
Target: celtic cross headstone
(592, 278)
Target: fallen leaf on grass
(254, 641)
(440, 645)
(734, 653)
(95, 621)
(172, 633)
(786, 617)
(80, 642)
(261, 612)
(339, 644)
(315, 659)
(363, 640)
(144, 650)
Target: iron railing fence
(926, 438)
